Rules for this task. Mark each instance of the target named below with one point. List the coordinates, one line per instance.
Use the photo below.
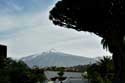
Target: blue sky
(23, 6)
(26, 29)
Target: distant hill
(59, 59)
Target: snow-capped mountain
(59, 59)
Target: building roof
(2, 45)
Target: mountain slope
(56, 59)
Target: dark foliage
(99, 16)
(18, 72)
(102, 71)
(104, 18)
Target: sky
(26, 29)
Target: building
(71, 77)
(3, 51)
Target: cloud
(14, 7)
(10, 7)
(31, 33)
(5, 23)
(38, 39)
(13, 21)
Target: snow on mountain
(53, 58)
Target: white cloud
(39, 39)
(37, 34)
(6, 23)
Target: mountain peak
(54, 58)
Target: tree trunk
(122, 73)
(119, 65)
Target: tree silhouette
(60, 75)
(104, 18)
(102, 71)
(105, 67)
